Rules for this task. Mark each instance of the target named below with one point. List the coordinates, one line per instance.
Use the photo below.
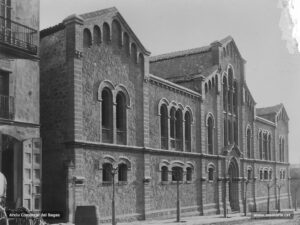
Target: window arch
(187, 131)
(269, 147)
(172, 127)
(249, 174)
(97, 35)
(126, 43)
(260, 145)
(210, 170)
(106, 33)
(107, 118)
(210, 125)
(87, 38)
(133, 52)
(164, 174)
(107, 172)
(122, 172)
(164, 126)
(121, 118)
(266, 175)
(248, 143)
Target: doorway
(233, 173)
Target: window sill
(164, 182)
(175, 182)
(106, 183)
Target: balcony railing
(19, 36)
(7, 108)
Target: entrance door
(233, 185)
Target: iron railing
(18, 35)
(7, 109)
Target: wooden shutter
(32, 173)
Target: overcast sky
(170, 25)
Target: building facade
(110, 111)
(20, 143)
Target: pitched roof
(269, 110)
(109, 11)
(182, 53)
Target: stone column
(114, 125)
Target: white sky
(170, 25)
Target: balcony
(18, 39)
(7, 108)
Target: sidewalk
(195, 220)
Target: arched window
(187, 132)
(87, 38)
(97, 35)
(107, 172)
(235, 132)
(280, 174)
(229, 99)
(213, 82)
(172, 127)
(106, 33)
(248, 143)
(107, 118)
(225, 132)
(265, 146)
(229, 132)
(126, 43)
(121, 118)
(189, 174)
(210, 137)
(217, 82)
(177, 173)
(282, 151)
(261, 175)
(260, 145)
(283, 174)
(269, 147)
(206, 88)
(116, 33)
(164, 126)
(235, 93)
(122, 172)
(249, 174)
(179, 129)
(270, 175)
(133, 52)
(266, 175)
(210, 173)
(225, 93)
(209, 85)
(164, 174)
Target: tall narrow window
(225, 132)
(265, 146)
(210, 134)
(121, 118)
(172, 128)
(261, 175)
(164, 174)
(122, 172)
(87, 38)
(106, 33)
(107, 172)
(187, 133)
(5, 12)
(97, 35)
(270, 175)
(249, 174)
(260, 145)
(229, 132)
(280, 149)
(211, 174)
(282, 152)
(235, 132)
(107, 118)
(235, 105)
(5, 109)
(178, 131)
(266, 175)
(269, 148)
(189, 174)
(116, 33)
(248, 143)
(164, 126)
(224, 94)
(177, 173)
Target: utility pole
(245, 196)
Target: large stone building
(20, 144)
(107, 106)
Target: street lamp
(246, 182)
(114, 171)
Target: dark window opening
(172, 128)
(107, 172)
(121, 118)
(107, 118)
(225, 132)
(210, 135)
(164, 174)
(97, 35)
(87, 38)
(177, 174)
(260, 145)
(187, 133)
(248, 143)
(260, 175)
(122, 172)
(164, 126)
(266, 175)
(106, 33)
(249, 174)
(189, 174)
(211, 174)
(179, 129)
(224, 94)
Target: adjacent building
(20, 143)
(110, 111)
